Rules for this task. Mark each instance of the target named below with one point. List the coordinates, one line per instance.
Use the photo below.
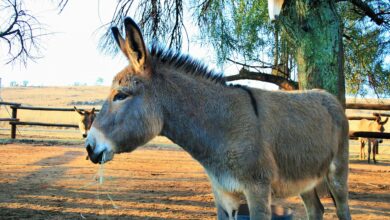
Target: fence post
(14, 116)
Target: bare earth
(153, 182)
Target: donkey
(250, 142)
(86, 119)
(373, 126)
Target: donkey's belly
(292, 188)
(225, 182)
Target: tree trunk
(314, 27)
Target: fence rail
(361, 117)
(43, 124)
(368, 134)
(368, 106)
(47, 108)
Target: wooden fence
(365, 134)
(14, 120)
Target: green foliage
(235, 27)
(241, 30)
(366, 46)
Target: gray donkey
(251, 142)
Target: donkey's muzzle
(95, 158)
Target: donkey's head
(86, 119)
(379, 125)
(130, 116)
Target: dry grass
(56, 182)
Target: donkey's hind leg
(313, 206)
(227, 204)
(337, 180)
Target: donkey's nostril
(89, 149)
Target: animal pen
(162, 182)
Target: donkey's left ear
(133, 46)
(78, 110)
(138, 52)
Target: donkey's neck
(197, 114)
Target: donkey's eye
(120, 96)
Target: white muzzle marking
(100, 144)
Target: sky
(71, 54)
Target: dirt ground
(153, 182)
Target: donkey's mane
(186, 62)
(195, 68)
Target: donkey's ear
(78, 110)
(385, 121)
(133, 46)
(120, 41)
(138, 52)
(378, 118)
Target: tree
(25, 83)
(314, 33)
(20, 31)
(308, 38)
(99, 81)
(315, 29)
(13, 84)
(366, 40)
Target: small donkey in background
(373, 126)
(86, 119)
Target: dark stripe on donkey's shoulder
(253, 100)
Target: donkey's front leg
(362, 152)
(227, 203)
(258, 196)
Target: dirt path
(56, 182)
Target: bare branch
(61, 5)
(251, 66)
(282, 82)
(13, 22)
(21, 32)
(368, 11)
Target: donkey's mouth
(98, 158)
(101, 157)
